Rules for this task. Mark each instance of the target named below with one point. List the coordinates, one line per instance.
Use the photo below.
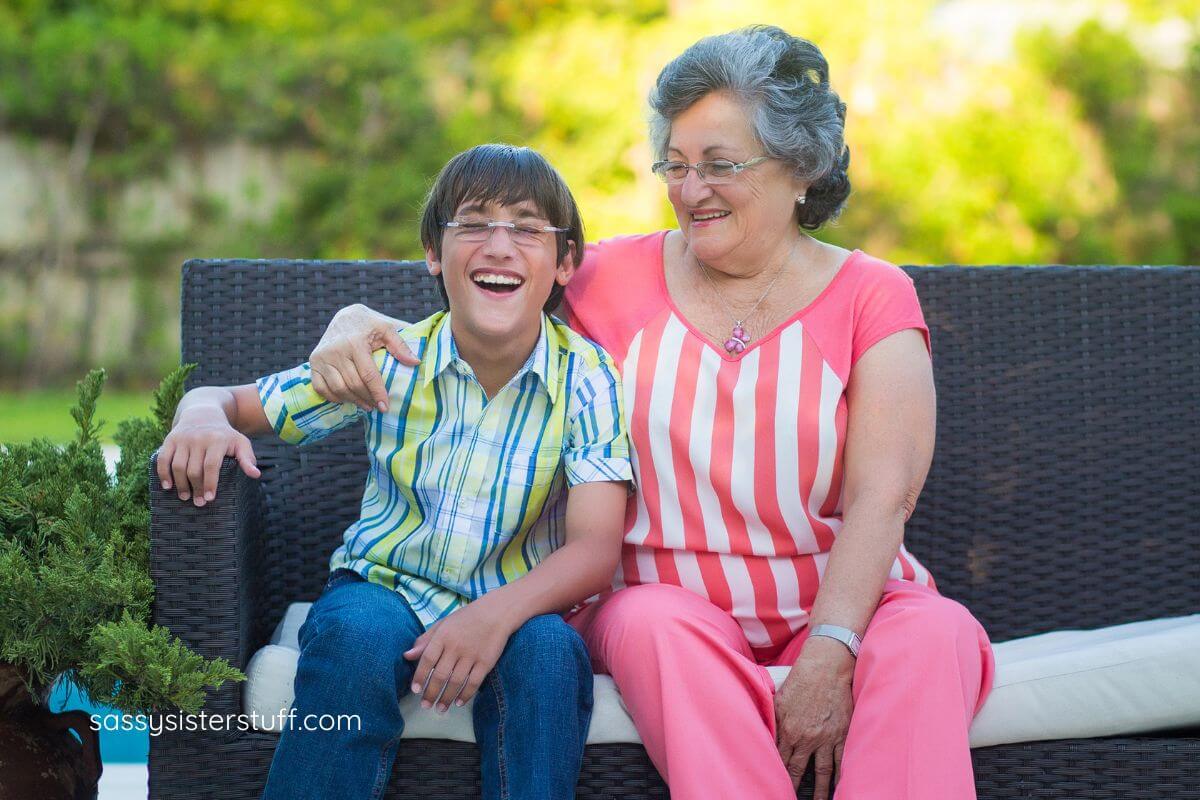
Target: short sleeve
(297, 413)
(886, 304)
(617, 290)
(583, 276)
(597, 446)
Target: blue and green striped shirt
(465, 494)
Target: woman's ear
(431, 263)
(566, 268)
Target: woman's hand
(457, 653)
(343, 370)
(812, 712)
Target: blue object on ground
(116, 746)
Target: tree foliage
(1077, 143)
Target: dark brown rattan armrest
(203, 562)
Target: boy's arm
(458, 651)
(581, 568)
(211, 422)
(237, 405)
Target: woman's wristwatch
(844, 635)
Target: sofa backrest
(1065, 486)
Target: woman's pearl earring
(800, 199)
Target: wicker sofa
(1068, 442)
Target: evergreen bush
(75, 565)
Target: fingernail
(458, 703)
(184, 496)
(443, 708)
(415, 688)
(166, 484)
(426, 704)
(209, 495)
(381, 406)
(199, 501)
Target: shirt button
(464, 503)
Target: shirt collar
(440, 350)
(545, 357)
(442, 354)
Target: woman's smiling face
(745, 219)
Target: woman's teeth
(714, 215)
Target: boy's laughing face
(499, 279)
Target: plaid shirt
(465, 494)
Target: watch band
(844, 635)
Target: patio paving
(123, 782)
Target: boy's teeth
(503, 280)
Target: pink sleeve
(886, 304)
(615, 290)
(584, 274)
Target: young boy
(494, 501)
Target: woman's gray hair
(784, 81)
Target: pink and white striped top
(737, 459)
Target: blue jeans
(531, 713)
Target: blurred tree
(1077, 145)
(1145, 117)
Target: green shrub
(75, 565)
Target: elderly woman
(781, 411)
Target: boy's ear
(566, 267)
(431, 263)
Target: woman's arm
(341, 361)
(891, 406)
(889, 446)
(343, 370)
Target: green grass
(25, 416)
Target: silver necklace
(738, 337)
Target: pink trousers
(704, 705)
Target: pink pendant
(737, 341)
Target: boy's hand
(191, 455)
(457, 653)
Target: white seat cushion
(1132, 678)
(1126, 679)
(268, 694)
